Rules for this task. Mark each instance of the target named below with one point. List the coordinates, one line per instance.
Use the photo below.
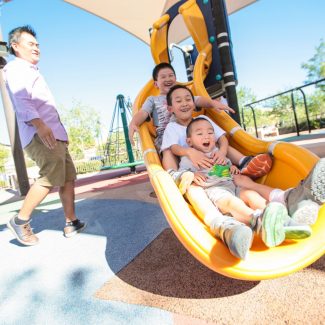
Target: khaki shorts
(56, 166)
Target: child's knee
(252, 198)
(246, 194)
(225, 202)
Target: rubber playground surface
(129, 268)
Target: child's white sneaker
(303, 201)
(237, 236)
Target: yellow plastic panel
(194, 22)
(158, 41)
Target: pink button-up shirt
(31, 99)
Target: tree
(83, 126)
(279, 110)
(316, 70)
(4, 154)
(246, 96)
(316, 65)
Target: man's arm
(136, 121)
(210, 103)
(20, 84)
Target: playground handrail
(292, 90)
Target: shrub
(83, 167)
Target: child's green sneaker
(295, 230)
(274, 225)
(270, 224)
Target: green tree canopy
(4, 154)
(245, 96)
(83, 126)
(316, 65)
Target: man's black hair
(160, 66)
(172, 89)
(15, 34)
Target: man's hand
(217, 105)
(199, 159)
(44, 132)
(46, 135)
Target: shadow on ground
(128, 225)
(54, 279)
(165, 268)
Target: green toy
(220, 171)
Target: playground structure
(289, 160)
(118, 152)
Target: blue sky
(88, 60)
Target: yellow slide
(291, 164)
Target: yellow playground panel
(291, 164)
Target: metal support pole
(243, 118)
(188, 66)
(120, 99)
(294, 112)
(223, 40)
(187, 59)
(16, 148)
(254, 118)
(306, 109)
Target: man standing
(42, 134)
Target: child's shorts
(215, 193)
(56, 165)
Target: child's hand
(199, 159)
(186, 180)
(132, 128)
(199, 178)
(217, 105)
(234, 170)
(219, 158)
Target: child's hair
(172, 89)
(160, 66)
(190, 126)
(15, 34)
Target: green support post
(120, 99)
